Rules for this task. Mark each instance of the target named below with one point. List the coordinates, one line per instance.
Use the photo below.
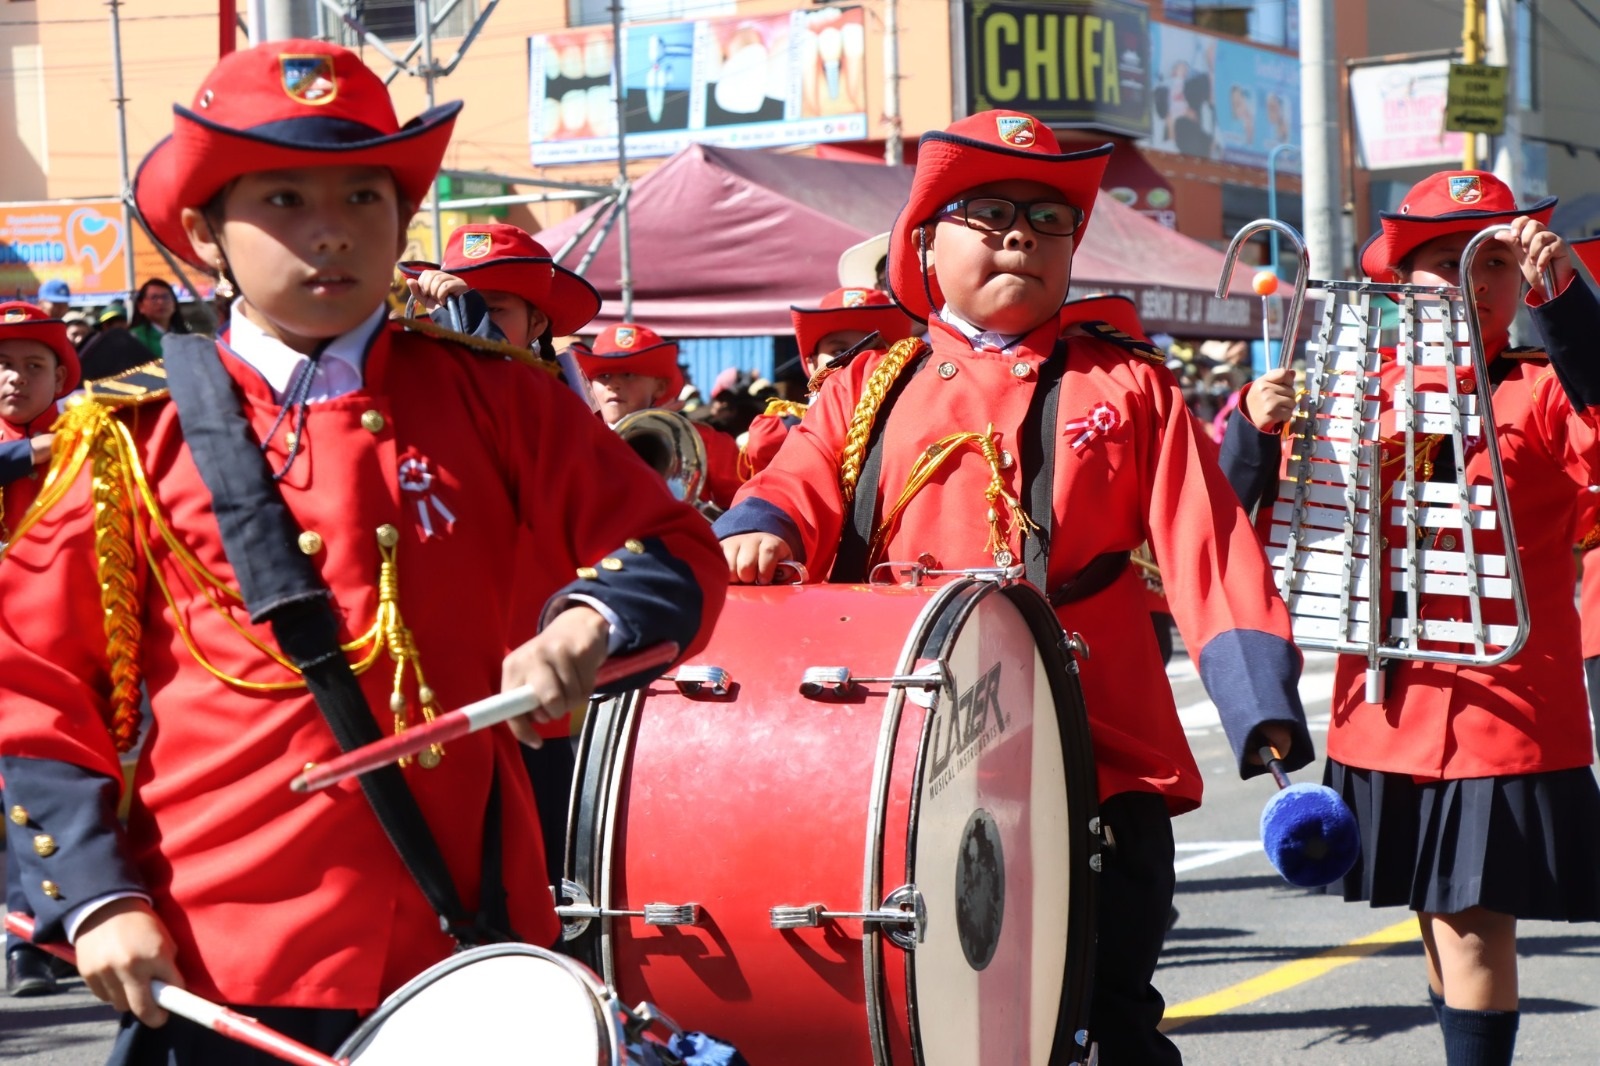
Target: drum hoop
(606, 1007)
(615, 767)
(926, 634)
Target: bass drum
(494, 1005)
(854, 831)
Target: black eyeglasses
(994, 214)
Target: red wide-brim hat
(867, 310)
(500, 257)
(629, 348)
(1587, 249)
(1442, 205)
(24, 321)
(987, 147)
(282, 106)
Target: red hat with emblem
(629, 348)
(867, 310)
(500, 257)
(1441, 205)
(24, 321)
(281, 106)
(977, 150)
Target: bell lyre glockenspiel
(1395, 405)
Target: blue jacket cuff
(1568, 325)
(1249, 460)
(16, 460)
(755, 515)
(650, 596)
(1252, 677)
(64, 835)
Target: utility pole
(1471, 52)
(429, 72)
(129, 280)
(1319, 139)
(893, 149)
(1501, 33)
(625, 250)
(278, 20)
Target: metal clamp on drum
(836, 682)
(902, 907)
(576, 916)
(702, 680)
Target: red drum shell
(766, 798)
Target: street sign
(1476, 99)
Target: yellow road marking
(1288, 975)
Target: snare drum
(855, 830)
(504, 1003)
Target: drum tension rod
(902, 907)
(701, 680)
(581, 911)
(833, 682)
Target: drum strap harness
(1038, 465)
(280, 586)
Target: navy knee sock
(1478, 1037)
(1435, 1000)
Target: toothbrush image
(655, 79)
(829, 45)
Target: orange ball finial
(1265, 283)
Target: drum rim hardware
(903, 907)
(836, 682)
(706, 680)
(576, 915)
(916, 572)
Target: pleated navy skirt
(1526, 845)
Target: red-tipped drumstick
(213, 1016)
(464, 720)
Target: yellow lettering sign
(1112, 93)
(1001, 82)
(1091, 56)
(1039, 57)
(1071, 55)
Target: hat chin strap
(922, 255)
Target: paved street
(1255, 971)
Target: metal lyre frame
(1419, 506)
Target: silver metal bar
(1291, 318)
(903, 907)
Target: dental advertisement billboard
(792, 78)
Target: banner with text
(1068, 62)
(744, 82)
(80, 242)
(1399, 115)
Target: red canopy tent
(724, 240)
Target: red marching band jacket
(1129, 468)
(300, 900)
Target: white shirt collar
(276, 362)
(978, 338)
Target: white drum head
(503, 1004)
(992, 853)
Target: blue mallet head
(1310, 835)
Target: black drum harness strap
(281, 586)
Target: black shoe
(29, 973)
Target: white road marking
(1211, 852)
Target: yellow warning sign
(1476, 99)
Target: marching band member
(358, 486)
(842, 321)
(1587, 539)
(1471, 786)
(983, 251)
(631, 368)
(38, 366)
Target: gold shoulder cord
(872, 395)
(526, 356)
(91, 432)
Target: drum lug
(1104, 837)
(1075, 646)
(836, 682)
(904, 908)
(702, 680)
(576, 916)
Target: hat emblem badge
(855, 297)
(476, 245)
(1016, 130)
(1466, 189)
(309, 79)
(16, 315)
(626, 337)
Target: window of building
(592, 12)
(1274, 22)
(1525, 66)
(396, 20)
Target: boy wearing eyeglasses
(1026, 427)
